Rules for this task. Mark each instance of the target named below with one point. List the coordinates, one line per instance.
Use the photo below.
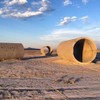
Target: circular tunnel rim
(92, 46)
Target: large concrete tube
(46, 51)
(11, 51)
(77, 51)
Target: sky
(37, 23)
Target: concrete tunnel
(80, 50)
(46, 51)
(11, 51)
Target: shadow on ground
(37, 57)
(97, 59)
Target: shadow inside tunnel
(38, 57)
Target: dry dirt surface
(41, 78)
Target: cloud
(74, 18)
(45, 6)
(94, 30)
(13, 2)
(26, 14)
(67, 2)
(84, 19)
(62, 34)
(71, 2)
(66, 34)
(85, 1)
(1, 11)
(67, 20)
(36, 3)
(22, 11)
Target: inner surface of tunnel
(78, 50)
(46, 50)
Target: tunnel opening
(78, 50)
(46, 50)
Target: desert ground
(36, 77)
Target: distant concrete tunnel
(11, 51)
(46, 51)
(80, 50)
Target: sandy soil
(40, 78)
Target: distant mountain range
(29, 48)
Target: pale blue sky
(36, 23)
